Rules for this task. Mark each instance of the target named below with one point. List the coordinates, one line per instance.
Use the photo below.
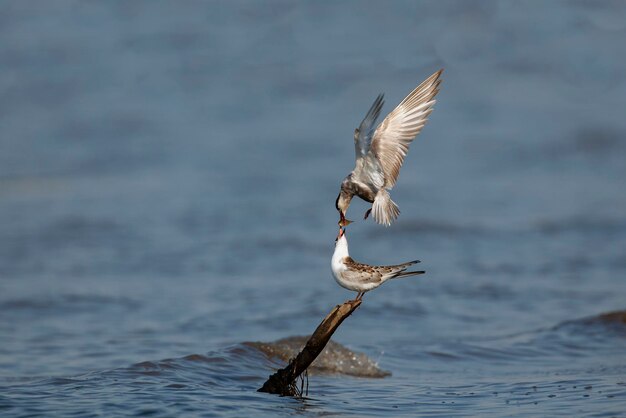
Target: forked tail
(404, 273)
(408, 273)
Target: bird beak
(343, 221)
(341, 232)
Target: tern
(361, 277)
(380, 153)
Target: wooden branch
(283, 381)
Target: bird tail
(404, 273)
(384, 209)
(408, 274)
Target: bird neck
(341, 248)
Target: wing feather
(365, 273)
(363, 134)
(391, 140)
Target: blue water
(168, 173)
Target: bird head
(341, 204)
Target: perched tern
(380, 153)
(362, 277)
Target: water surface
(167, 180)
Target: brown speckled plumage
(362, 277)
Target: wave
(335, 359)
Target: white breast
(337, 265)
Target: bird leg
(367, 213)
(359, 296)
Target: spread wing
(363, 134)
(393, 136)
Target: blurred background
(168, 172)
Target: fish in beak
(343, 221)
